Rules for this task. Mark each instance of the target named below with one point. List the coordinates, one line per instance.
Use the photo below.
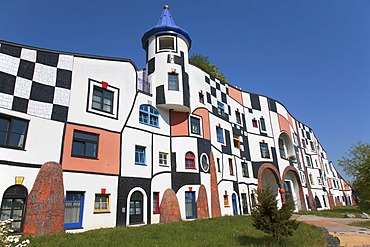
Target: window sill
(73, 228)
(14, 148)
(101, 212)
(155, 126)
(84, 157)
(140, 164)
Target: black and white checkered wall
(35, 82)
(216, 92)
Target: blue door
(235, 205)
(190, 207)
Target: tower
(167, 46)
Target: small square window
(140, 155)
(163, 159)
(262, 124)
(195, 125)
(201, 97)
(102, 203)
(73, 213)
(173, 82)
(166, 43)
(85, 145)
(220, 134)
(102, 100)
(254, 123)
(236, 139)
(13, 132)
(220, 108)
(264, 150)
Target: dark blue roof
(166, 25)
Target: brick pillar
(215, 201)
(45, 204)
(202, 203)
(170, 210)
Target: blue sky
(312, 56)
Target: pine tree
(271, 220)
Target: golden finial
(166, 7)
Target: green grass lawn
(223, 231)
(337, 212)
(364, 224)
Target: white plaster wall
(281, 110)
(91, 184)
(43, 141)
(119, 74)
(130, 138)
(161, 144)
(182, 145)
(254, 147)
(246, 99)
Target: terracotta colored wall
(202, 112)
(284, 125)
(179, 123)
(235, 94)
(108, 152)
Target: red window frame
(189, 160)
(156, 203)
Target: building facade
(124, 136)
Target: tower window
(166, 43)
(173, 82)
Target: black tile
(10, 50)
(64, 78)
(26, 69)
(213, 92)
(20, 104)
(47, 58)
(59, 113)
(223, 97)
(7, 83)
(207, 79)
(41, 92)
(218, 85)
(255, 100)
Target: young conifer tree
(271, 220)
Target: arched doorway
(292, 189)
(13, 206)
(235, 204)
(136, 208)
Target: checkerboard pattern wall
(35, 82)
(216, 92)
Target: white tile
(61, 96)
(29, 55)
(65, 62)
(9, 64)
(40, 109)
(22, 88)
(6, 100)
(45, 74)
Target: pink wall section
(284, 125)
(235, 94)
(108, 152)
(203, 112)
(179, 123)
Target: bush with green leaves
(271, 220)
(203, 63)
(6, 237)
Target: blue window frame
(148, 115)
(190, 207)
(173, 82)
(73, 211)
(220, 134)
(140, 155)
(220, 108)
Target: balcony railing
(144, 86)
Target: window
(195, 125)
(101, 203)
(73, 209)
(218, 165)
(303, 143)
(254, 123)
(316, 163)
(13, 206)
(173, 82)
(190, 207)
(262, 124)
(264, 150)
(189, 160)
(312, 147)
(309, 161)
(220, 134)
(226, 201)
(102, 99)
(12, 132)
(148, 115)
(282, 148)
(201, 97)
(319, 180)
(85, 145)
(245, 171)
(204, 162)
(231, 168)
(311, 179)
(220, 108)
(136, 208)
(163, 159)
(140, 155)
(237, 117)
(156, 209)
(236, 139)
(166, 43)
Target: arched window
(13, 206)
(189, 160)
(148, 115)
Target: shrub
(271, 220)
